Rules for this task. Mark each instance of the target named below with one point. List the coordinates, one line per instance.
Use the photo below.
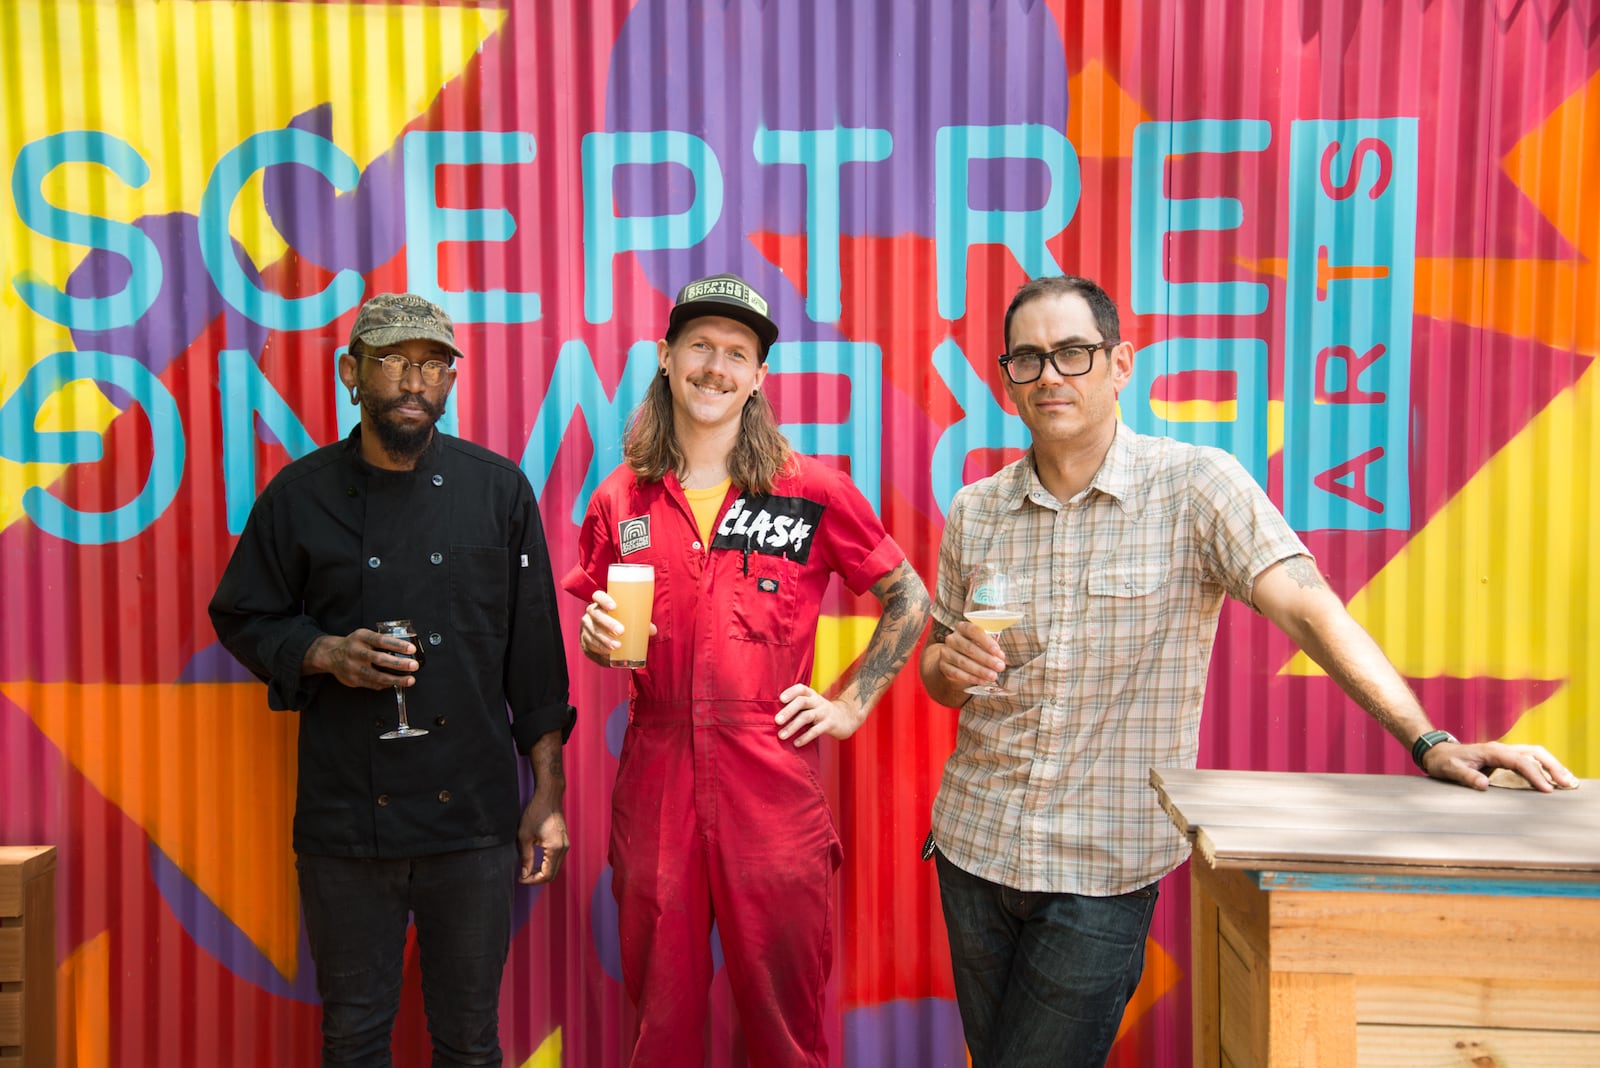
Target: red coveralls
(712, 814)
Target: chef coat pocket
(1125, 608)
(763, 607)
(480, 585)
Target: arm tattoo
(905, 612)
(939, 633)
(1304, 573)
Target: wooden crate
(27, 956)
(1457, 929)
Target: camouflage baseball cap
(390, 318)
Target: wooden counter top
(1398, 824)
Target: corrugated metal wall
(1354, 240)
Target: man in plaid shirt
(1049, 842)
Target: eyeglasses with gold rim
(395, 367)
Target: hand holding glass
(402, 629)
(995, 601)
(633, 588)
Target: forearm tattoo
(939, 633)
(905, 610)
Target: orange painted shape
(1102, 118)
(1330, 272)
(1543, 165)
(1161, 974)
(208, 772)
(83, 1006)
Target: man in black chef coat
(402, 521)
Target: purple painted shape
(603, 926)
(616, 727)
(219, 936)
(187, 303)
(214, 664)
(916, 1033)
(907, 66)
(603, 929)
(360, 230)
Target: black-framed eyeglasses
(1069, 361)
(395, 367)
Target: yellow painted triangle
(840, 641)
(1102, 118)
(183, 82)
(548, 1055)
(207, 771)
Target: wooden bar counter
(1390, 920)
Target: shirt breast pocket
(763, 608)
(1125, 607)
(479, 588)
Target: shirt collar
(1116, 478)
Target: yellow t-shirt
(706, 503)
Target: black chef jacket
(457, 547)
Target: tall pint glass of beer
(633, 587)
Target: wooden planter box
(28, 956)
(1389, 920)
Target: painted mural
(1351, 239)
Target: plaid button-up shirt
(1049, 790)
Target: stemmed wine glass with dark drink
(402, 629)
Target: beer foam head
(631, 573)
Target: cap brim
(765, 329)
(380, 336)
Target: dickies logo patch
(767, 585)
(633, 535)
(771, 526)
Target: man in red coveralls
(718, 811)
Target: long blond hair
(650, 444)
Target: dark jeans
(1041, 979)
(356, 916)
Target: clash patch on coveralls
(772, 526)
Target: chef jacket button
(436, 558)
(383, 800)
(349, 491)
(444, 797)
(696, 545)
(434, 639)
(373, 561)
(438, 480)
(438, 721)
